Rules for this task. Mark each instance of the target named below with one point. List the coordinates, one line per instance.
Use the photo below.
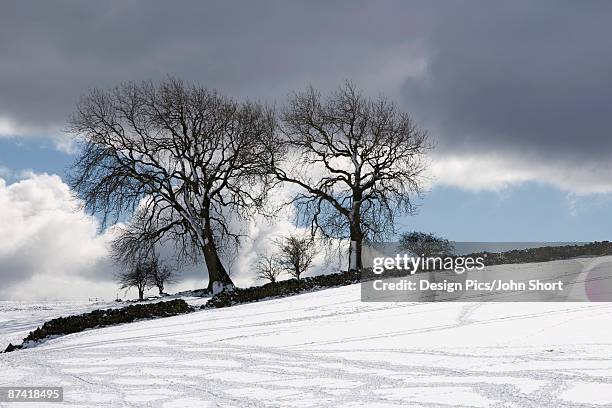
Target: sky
(515, 96)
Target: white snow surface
(328, 348)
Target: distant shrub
(426, 244)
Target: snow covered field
(328, 348)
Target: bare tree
(132, 245)
(296, 255)
(358, 162)
(184, 160)
(269, 268)
(135, 259)
(137, 276)
(426, 244)
(162, 274)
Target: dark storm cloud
(51, 52)
(520, 77)
(533, 78)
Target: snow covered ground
(328, 348)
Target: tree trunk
(140, 294)
(355, 258)
(355, 261)
(218, 278)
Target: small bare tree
(296, 255)
(133, 246)
(357, 161)
(161, 275)
(269, 268)
(138, 276)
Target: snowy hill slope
(329, 349)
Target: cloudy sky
(515, 94)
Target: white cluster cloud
(45, 134)
(496, 172)
(48, 247)
(11, 128)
